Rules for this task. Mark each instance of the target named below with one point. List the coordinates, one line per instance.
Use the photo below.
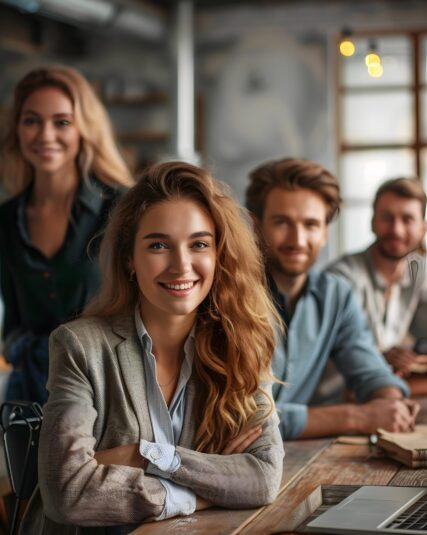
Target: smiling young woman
(165, 376)
(48, 135)
(64, 169)
(174, 258)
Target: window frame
(416, 87)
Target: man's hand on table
(386, 408)
(396, 415)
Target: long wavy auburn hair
(98, 150)
(235, 323)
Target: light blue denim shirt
(167, 425)
(327, 322)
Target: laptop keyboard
(414, 518)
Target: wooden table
(308, 464)
(418, 385)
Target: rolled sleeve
(364, 368)
(179, 500)
(293, 419)
(163, 457)
(382, 381)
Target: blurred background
(229, 84)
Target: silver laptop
(374, 509)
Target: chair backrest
(20, 423)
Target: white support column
(184, 135)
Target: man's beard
(392, 256)
(275, 265)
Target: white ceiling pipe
(88, 11)
(127, 17)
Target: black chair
(20, 423)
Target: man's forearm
(388, 392)
(388, 411)
(331, 420)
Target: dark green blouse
(39, 293)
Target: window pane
(424, 167)
(396, 58)
(424, 60)
(356, 231)
(424, 114)
(378, 118)
(363, 171)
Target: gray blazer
(97, 400)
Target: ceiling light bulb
(375, 70)
(347, 47)
(372, 59)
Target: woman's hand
(201, 504)
(127, 455)
(243, 441)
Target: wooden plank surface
(422, 416)
(296, 452)
(418, 385)
(224, 521)
(308, 464)
(410, 477)
(339, 464)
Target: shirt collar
(21, 215)
(311, 286)
(404, 281)
(89, 193)
(281, 300)
(147, 343)
(417, 269)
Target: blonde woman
(65, 172)
(156, 401)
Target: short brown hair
(292, 174)
(410, 188)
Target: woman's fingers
(243, 441)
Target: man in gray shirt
(390, 277)
(292, 203)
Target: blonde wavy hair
(98, 151)
(235, 323)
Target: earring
(132, 276)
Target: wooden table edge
(285, 486)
